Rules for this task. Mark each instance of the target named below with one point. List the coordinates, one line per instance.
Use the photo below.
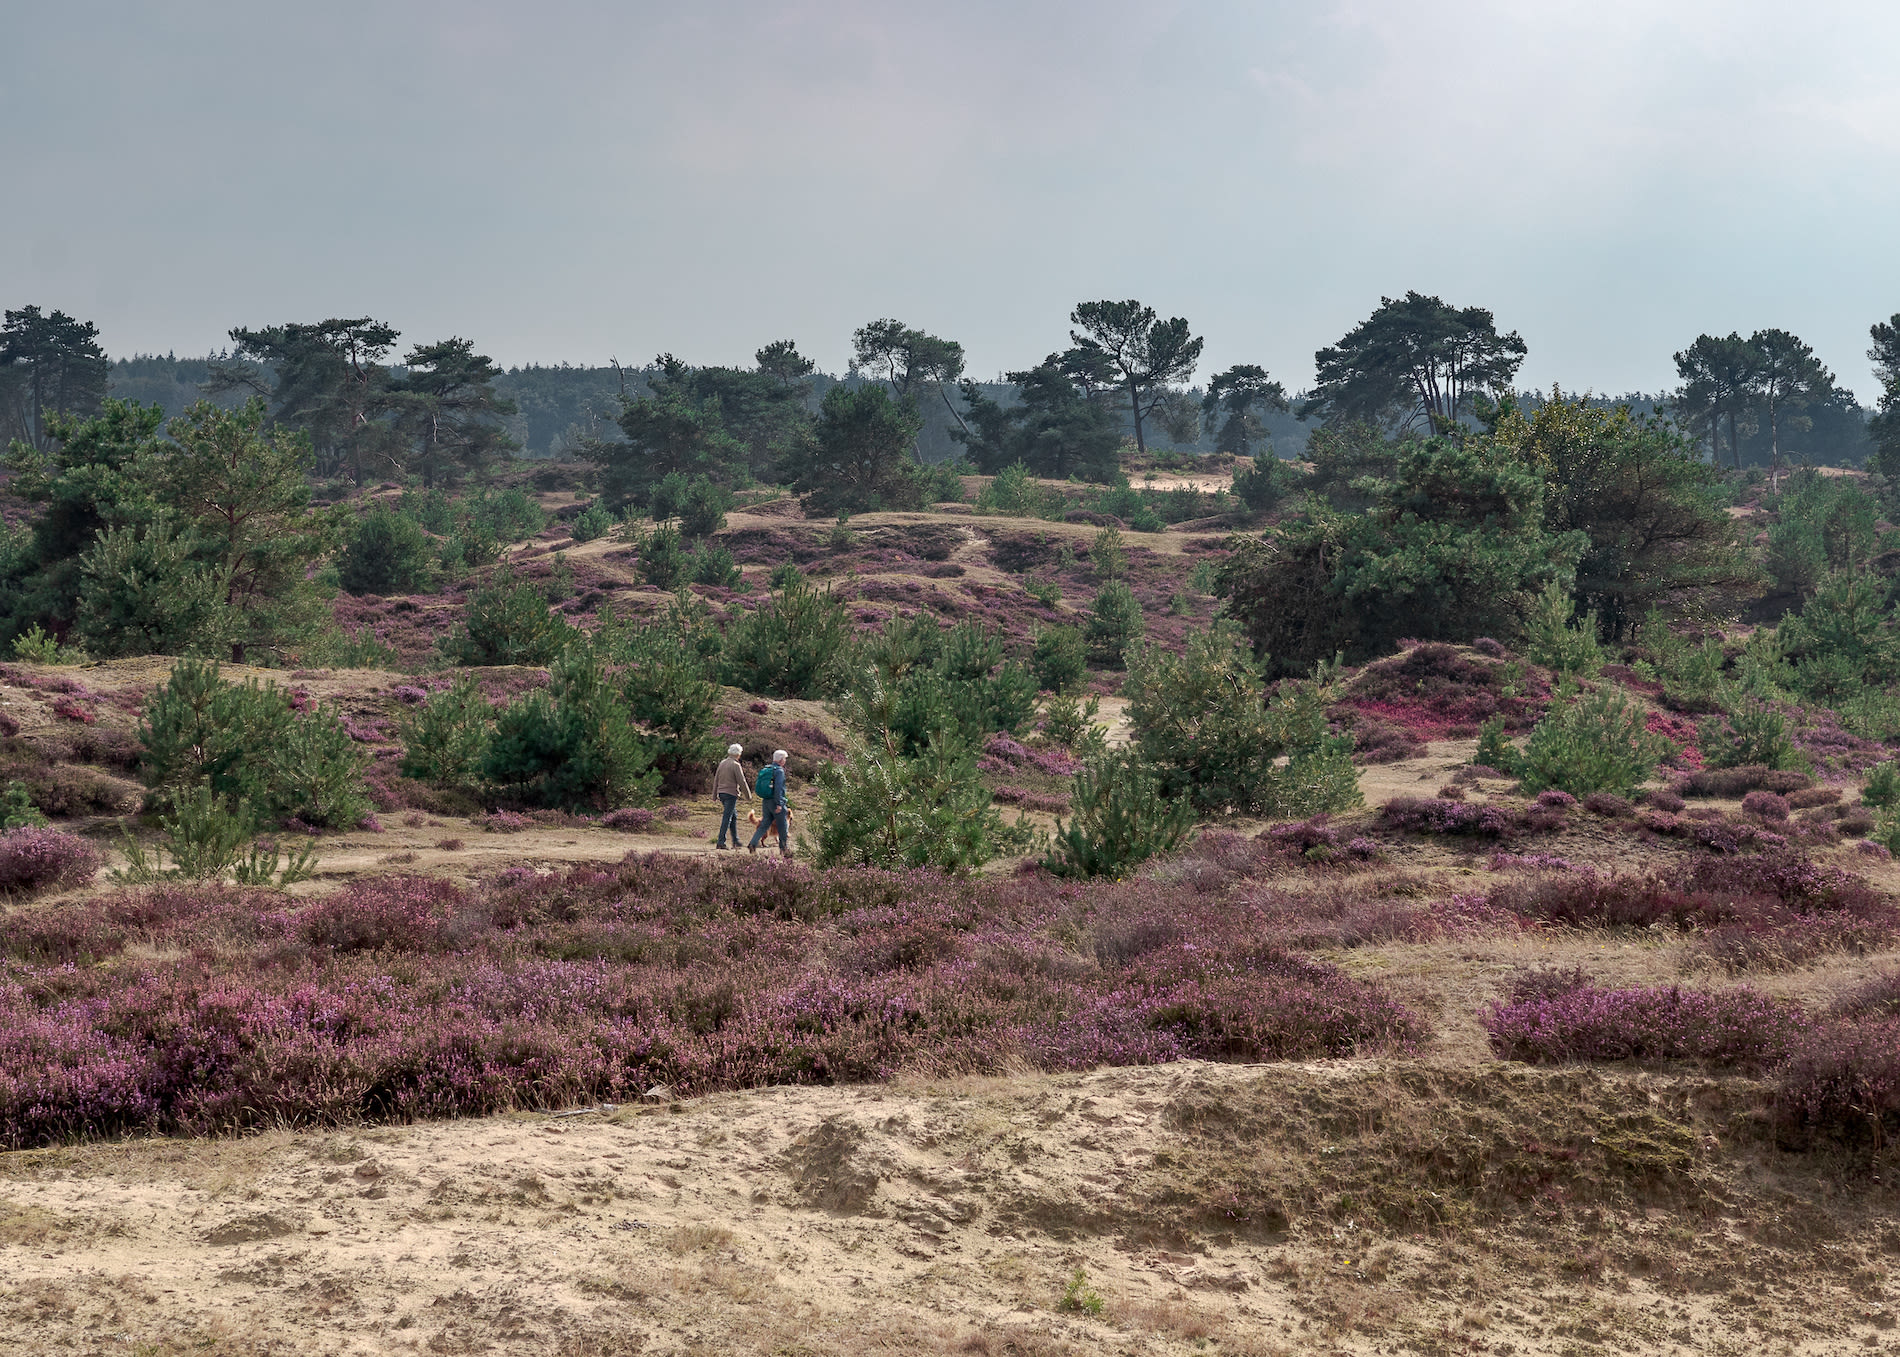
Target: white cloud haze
(572, 180)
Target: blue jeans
(774, 816)
(729, 817)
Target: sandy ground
(915, 1217)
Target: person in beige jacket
(729, 784)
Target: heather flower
(34, 859)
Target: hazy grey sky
(567, 180)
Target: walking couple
(730, 783)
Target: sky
(578, 180)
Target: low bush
(401, 998)
(1748, 733)
(1739, 781)
(1736, 1028)
(713, 566)
(1557, 639)
(508, 622)
(883, 807)
(1120, 818)
(664, 560)
(444, 740)
(1060, 658)
(798, 643)
(1070, 724)
(572, 745)
(1766, 804)
(1417, 815)
(1205, 722)
(1114, 623)
(1596, 743)
(247, 742)
(1843, 1080)
(387, 553)
(593, 523)
(1883, 786)
(35, 859)
(1606, 803)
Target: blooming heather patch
(1843, 1079)
(39, 859)
(1433, 689)
(1415, 815)
(629, 819)
(1766, 911)
(397, 998)
(1679, 732)
(1737, 1028)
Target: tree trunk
(1134, 406)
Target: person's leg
(758, 835)
(728, 818)
(783, 820)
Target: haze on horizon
(593, 179)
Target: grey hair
(733, 751)
(778, 756)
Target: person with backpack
(729, 784)
(771, 790)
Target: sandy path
(913, 1218)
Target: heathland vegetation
(1494, 725)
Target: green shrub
(1202, 719)
(1120, 818)
(880, 808)
(714, 566)
(1016, 493)
(1882, 789)
(703, 511)
(1494, 751)
(1554, 640)
(205, 836)
(1078, 1297)
(1114, 623)
(359, 649)
(17, 810)
(560, 585)
(1046, 592)
(798, 643)
(919, 679)
(1060, 659)
(247, 744)
(266, 865)
(571, 746)
(445, 739)
(387, 553)
(1595, 743)
(508, 622)
(1267, 482)
(504, 515)
(943, 482)
(1071, 723)
(593, 523)
(667, 682)
(663, 558)
(36, 647)
(1749, 731)
(1107, 557)
(144, 592)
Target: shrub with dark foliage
(37, 859)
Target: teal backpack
(764, 785)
